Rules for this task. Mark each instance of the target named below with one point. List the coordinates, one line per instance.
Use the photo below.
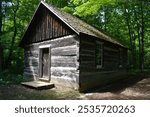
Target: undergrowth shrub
(9, 78)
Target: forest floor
(133, 87)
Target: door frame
(40, 62)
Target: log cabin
(64, 50)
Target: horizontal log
(64, 65)
(64, 61)
(111, 60)
(30, 63)
(30, 71)
(84, 51)
(110, 49)
(58, 42)
(87, 47)
(112, 55)
(32, 53)
(31, 60)
(61, 42)
(87, 69)
(62, 72)
(30, 75)
(33, 70)
(32, 47)
(85, 58)
(110, 66)
(87, 51)
(64, 51)
(87, 64)
(87, 55)
(63, 81)
(87, 42)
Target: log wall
(90, 75)
(64, 60)
(73, 62)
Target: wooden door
(45, 63)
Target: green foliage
(7, 78)
(15, 18)
(92, 5)
(58, 3)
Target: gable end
(45, 25)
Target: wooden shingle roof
(77, 25)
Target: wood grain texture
(48, 26)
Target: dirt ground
(132, 87)
(135, 87)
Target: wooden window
(99, 55)
(120, 57)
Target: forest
(128, 21)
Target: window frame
(99, 66)
(120, 57)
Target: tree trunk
(142, 37)
(138, 33)
(1, 49)
(130, 34)
(14, 35)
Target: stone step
(39, 85)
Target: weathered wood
(87, 55)
(32, 47)
(31, 59)
(30, 75)
(31, 53)
(85, 58)
(31, 71)
(30, 63)
(110, 49)
(64, 51)
(68, 73)
(84, 51)
(65, 41)
(87, 42)
(60, 81)
(87, 47)
(59, 42)
(63, 61)
(46, 27)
